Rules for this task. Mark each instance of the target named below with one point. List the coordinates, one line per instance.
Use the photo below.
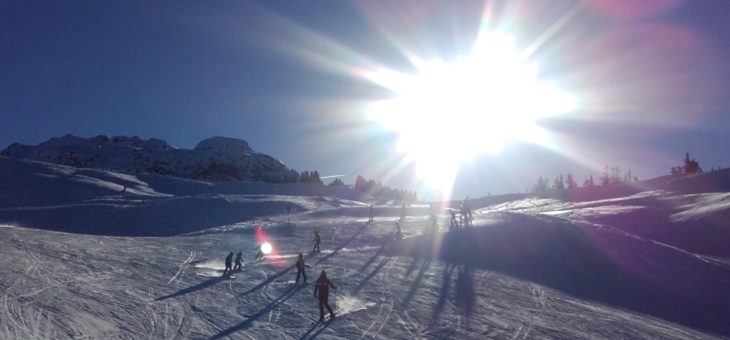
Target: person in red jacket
(321, 291)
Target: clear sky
(650, 80)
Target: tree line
(377, 189)
(610, 175)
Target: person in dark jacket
(229, 259)
(238, 260)
(321, 291)
(300, 268)
(398, 233)
(454, 222)
(317, 239)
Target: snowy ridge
(215, 159)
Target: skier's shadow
(268, 280)
(343, 245)
(324, 326)
(444, 291)
(205, 284)
(367, 278)
(464, 288)
(416, 282)
(247, 323)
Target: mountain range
(219, 159)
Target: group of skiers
(228, 270)
(321, 286)
(465, 213)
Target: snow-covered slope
(91, 201)
(531, 267)
(216, 159)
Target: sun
(450, 112)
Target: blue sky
(652, 79)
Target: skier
(317, 238)
(371, 219)
(238, 261)
(467, 206)
(398, 233)
(259, 255)
(300, 269)
(229, 259)
(403, 212)
(454, 222)
(464, 215)
(432, 224)
(321, 291)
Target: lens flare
(266, 248)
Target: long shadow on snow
(322, 327)
(349, 240)
(444, 290)
(273, 277)
(247, 323)
(587, 262)
(205, 284)
(320, 330)
(416, 282)
(268, 280)
(377, 269)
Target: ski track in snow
(57, 285)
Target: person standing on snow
(432, 224)
(317, 239)
(300, 269)
(321, 291)
(454, 222)
(398, 233)
(229, 259)
(372, 217)
(238, 261)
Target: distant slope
(214, 159)
(691, 212)
(91, 201)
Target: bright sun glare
(266, 248)
(450, 112)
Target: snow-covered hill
(634, 261)
(216, 159)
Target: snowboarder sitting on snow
(227, 271)
(300, 268)
(398, 233)
(321, 291)
(238, 261)
(317, 238)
